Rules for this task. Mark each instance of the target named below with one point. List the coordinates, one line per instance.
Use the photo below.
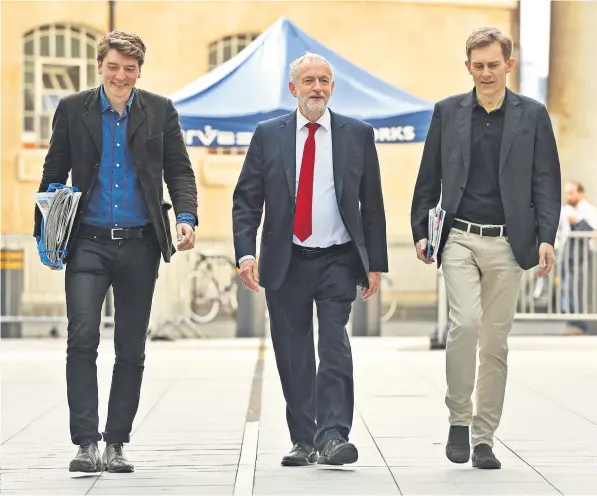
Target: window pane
(29, 72)
(44, 46)
(90, 51)
(91, 76)
(75, 46)
(45, 127)
(227, 52)
(60, 46)
(50, 102)
(213, 57)
(28, 124)
(29, 102)
(61, 81)
(241, 45)
(47, 81)
(74, 76)
(29, 47)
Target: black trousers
(131, 267)
(319, 404)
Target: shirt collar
(325, 121)
(105, 104)
(477, 105)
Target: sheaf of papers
(436, 223)
(58, 207)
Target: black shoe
(114, 460)
(87, 460)
(484, 458)
(458, 449)
(338, 452)
(301, 454)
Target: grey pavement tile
(477, 489)
(67, 491)
(463, 473)
(575, 483)
(320, 480)
(162, 489)
(188, 479)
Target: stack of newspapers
(58, 207)
(436, 223)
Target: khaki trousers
(482, 280)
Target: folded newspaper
(436, 223)
(58, 207)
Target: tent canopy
(223, 107)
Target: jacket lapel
(339, 145)
(93, 119)
(464, 125)
(511, 122)
(137, 116)
(288, 144)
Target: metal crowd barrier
(567, 293)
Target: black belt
(116, 233)
(491, 231)
(315, 252)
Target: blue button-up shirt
(117, 199)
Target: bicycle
(214, 285)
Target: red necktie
(303, 224)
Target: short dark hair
(128, 44)
(482, 37)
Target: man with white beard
(324, 233)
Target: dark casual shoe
(458, 448)
(88, 459)
(114, 460)
(484, 458)
(301, 454)
(338, 452)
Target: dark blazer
(529, 172)
(157, 149)
(269, 175)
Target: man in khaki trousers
(491, 156)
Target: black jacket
(157, 149)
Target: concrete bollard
(366, 315)
(250, 315)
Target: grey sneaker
(115, 461)
(87, 459)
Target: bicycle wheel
(205, 297)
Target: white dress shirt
(328, 228)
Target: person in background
(578, 215)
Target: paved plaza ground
(211, 421)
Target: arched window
(60, 59)
(224, 49)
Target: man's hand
(249, 274)
(186, 237)
(421, 248)
(547, 258)
(572, 220)
(374, 283)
